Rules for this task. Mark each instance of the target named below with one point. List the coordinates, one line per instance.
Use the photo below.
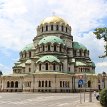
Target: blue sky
(19, 19)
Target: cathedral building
(53, 62)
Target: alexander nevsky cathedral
(53, 62)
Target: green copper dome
(52, 39)
(49, 58)
(28, 47)
(77, 45)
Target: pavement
(90, 104)
(47, 100)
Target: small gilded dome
(53, 19)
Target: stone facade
(52, 63)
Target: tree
(103, 97)
(102, 33)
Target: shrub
(103, 97)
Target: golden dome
(53, 19)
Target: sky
(20, 18)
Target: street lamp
(103, 79)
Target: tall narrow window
(66, 29)
(45, 83)
(54, 47)
(25, 54)
(49, 83)
(60, 48)
(62, 66)
(30, 54)
(62, 28)
(54, 67)
(60, 83)
(59, 67)
(48, 47)
(89, 83)
(46, 27)
(57, 27)
(16, 84)
(8, 84)
(39, 84)
(63, 84)
(46, 66)
(40, 67)
(68, 68)
(29, 69)
(42, 29)
(12, 84)
(51, 27)
(43, 47)
(42, 83)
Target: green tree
(102, 33)
(103, 97)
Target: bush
(103, 97)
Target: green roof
(79, 63)
(77, 45)
(28, 47)
(51, 39)
(49, 58)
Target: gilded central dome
(53, 19)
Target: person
(95, 93)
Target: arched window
(49, 83)
(12, 84)
(54, 66)
(16, 84)
(40, 67)
(45, 83)
(54, 47)
(48, 47)
(8, 84)
(63, 83)
(25, 54)
(89, 83)
(46, 66)
(42, 83)
(80, 52)
(51, 27)
(66, 29)
(42, 29)
(57, 27)
(46, 27)
(60, 83)
(59, 67)
(62, 66)
(60, 48)
(43, 47)
(62, 28)
(29, 69)
(39, 85)
(30, 54)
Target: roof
(51, 39)
(49, 58)
(77, 45)
(28, 47)
(79, 63)
(53, 19)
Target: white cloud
(102, 64)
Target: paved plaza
(44, 100)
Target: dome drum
(53, 24)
